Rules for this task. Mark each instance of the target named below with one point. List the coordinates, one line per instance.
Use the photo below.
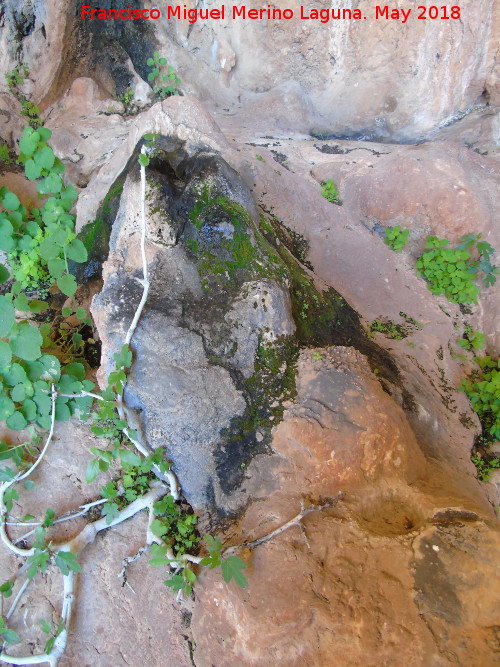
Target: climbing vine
(38, 388)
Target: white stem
(293, 522)
(84, 509)
(81, 394)
(76, 546)
(145, 273)
(18, 478)
(17, 598)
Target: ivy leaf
(9, 635)
(7, 316)
(66, 561)
(111, 511)
(7, 475)
(124, 357)
(18, 393)
(44, 133)
(67, 284)
(158, 528)
(22, 303)
(45, 626)
(6, 589)
(143, 160)
(92, 471)
(231, 569)
(159, 556)
(69, 193)
(129, 458)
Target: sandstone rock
(374, 579)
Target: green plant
(484, 394)
(329, 191)
(472, 340)
(396, 238)
(6, 155)
(30, 111)
(454, 271)
(259, 158)
(126, 98)
(163, 84)
(485, 468)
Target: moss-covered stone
(95, 236)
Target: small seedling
(396, 238)
(472, 340)
(329, 191)
(127, 98)
(485, 469)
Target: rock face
(376, 78)
(217, 322)
(256, 365)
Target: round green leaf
(44, 421)
(70, 193)
(44, 133)
(11, 202)
(7, 407)
(45, 157)
(63, 413)
(43, 403)
(29, 409)
(67, 284)
(51, 366)
(14, 374)
(52, 184)
(32, 170)
(18, 393)
(56, 267)
(7, 243)
(7, 316)
(75, 369)
(16, 421)
(27, 341)
(29, 142)
(77, 251)
(4, 274)
(5, 354)
(48, 249)
(38, 306)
